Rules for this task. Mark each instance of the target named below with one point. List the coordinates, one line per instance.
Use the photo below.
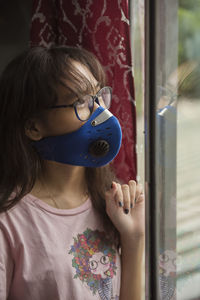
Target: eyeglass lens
(84, 107)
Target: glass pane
(172, 64)
(188, 152)
(166, 145)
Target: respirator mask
(94, 144)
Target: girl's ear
(33, 130)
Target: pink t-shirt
(56, 254)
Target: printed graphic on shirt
(95, 262)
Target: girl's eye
(80, 102)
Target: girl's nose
(99, 102)
(96, 105)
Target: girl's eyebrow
(67, 98)
(69, 95)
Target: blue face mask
(94, 144)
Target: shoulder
(16, 214)
(16, 223)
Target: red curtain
(102, 27)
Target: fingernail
(120, 204)
(126, 211)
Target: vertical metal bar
(152, 224)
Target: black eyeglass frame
(94, 98)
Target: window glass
(188, 152)
(177, 139)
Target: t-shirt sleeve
(6, 265)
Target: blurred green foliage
(189, 45)
(189, 4)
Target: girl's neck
(61, 185)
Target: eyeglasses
(84, 106)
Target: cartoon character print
(95, 262)
(168, 262)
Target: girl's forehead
(85, 72)
(69, 90)
(82, 82)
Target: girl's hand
(125, 207)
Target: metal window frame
(160, 180)
(152, 224)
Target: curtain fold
(101, 27)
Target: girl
(68, 229)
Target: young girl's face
(60, 121)
(99, 264)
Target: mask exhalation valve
(99, 148)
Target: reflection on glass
(166, 145)
(177, 139)
(188, 153)
(178, 150)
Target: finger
(139, 192)
(132, 188)
(126, 197)
(140, 198)
(119, 196)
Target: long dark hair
(27, 88)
